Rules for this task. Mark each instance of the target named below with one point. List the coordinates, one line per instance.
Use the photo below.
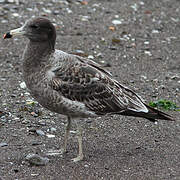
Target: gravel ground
(139, 43)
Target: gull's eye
(34, 26)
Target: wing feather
(85, 81)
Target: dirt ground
(139, 41)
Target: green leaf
(164, 104)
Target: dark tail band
(152, 115)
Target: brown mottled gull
(71, 85)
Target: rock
(69, 11)
(175, 77)
(99, 55)
(116, 22)
(3, 144)
(52, 152)
(84, 18)
(37, 160)
(134, 7)
(15, 14)
(154, 31)
(148, 53)
(35, 143)
(40, 132)
(10, 1)
(115, 41)
(89, 120)
(112, 47)
(146, 42)
(56, 12)
(52, 129)
(80, 53)
(50, 135)
(2, 1)
(91, 57)
(23, 85)
(48, 11)
(34, 114)
(2, 113)
(16, 170)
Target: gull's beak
(14, 32)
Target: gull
(72, 85)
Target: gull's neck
(35, 53)
(36, 56)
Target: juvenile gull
(71, 85)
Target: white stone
(117, 22)
(50, 135)
(23, 85)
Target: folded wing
(85, 81)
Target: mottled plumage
(72, 85)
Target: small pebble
(85, 18)
(35, 143)
(99, 55)
(37, 160)
(23, 85)
(113, 47)
(141, 3)
(105, 64)
(16, 170)
(25, 121)
(117, 22)
(91, 57)
(10, 1)
(69, 11)
(96, 5)
(148, 53)
(4, 21)
(46, 10)
(155, 31)
(34, 114)
(53, 152)
(134, 7)
(55, 12)
(29, 9)
(146, 42)
(79, 51)
(15, 14)
(40, 132)
(175, 77)
(50, 135)
(89, 120)
(52, 129)
(3, 144)
(143, 77)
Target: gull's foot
(56, 152)
(78, 158)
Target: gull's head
(36, 29)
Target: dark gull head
(36, 30)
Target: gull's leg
(79, 136)
(64, 149)
(67, 132)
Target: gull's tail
(152, 114)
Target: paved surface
(143, 52)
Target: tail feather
(156, 114)
(152, 114)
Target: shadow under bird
(72, 85)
